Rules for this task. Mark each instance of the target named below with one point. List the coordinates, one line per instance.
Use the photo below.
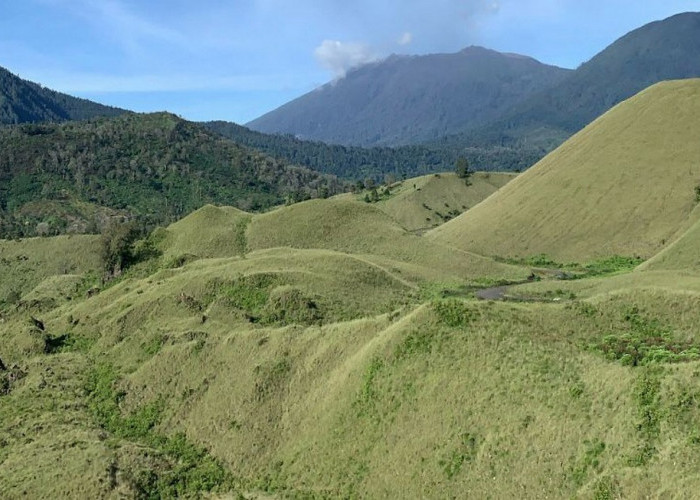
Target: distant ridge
(408, 99)
(154, 167)
(658, 51)
(22, 101)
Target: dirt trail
(501, 292)
(493, 293)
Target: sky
(236, 60)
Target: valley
(198, 310)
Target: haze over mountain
(22, 101)
(406, 99)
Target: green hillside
(625, 185)
(314, 373)
(682, 253)
(154, 167)
(22, 101)
(425, 202)
(330, 348)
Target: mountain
(626, 184)
(658, 51)
(409, 99)
(156, 167)
(22, 101)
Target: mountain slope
(22, 101)
(623, 185)
(410, 99)
(658, 51)
(156, 167)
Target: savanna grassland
(338, 348)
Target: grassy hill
(323, 350)
(624, 185)
(292, 372)
(425, 202)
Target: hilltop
(22, 101)
(422, 203)
(403, 99)
(626, 184)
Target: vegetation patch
(600, 267)
(465, 452)
(247, 293)
(648, 400)
(369, 395)
(454, 313)
(589, 461)
(67, 342)
(645, 341)
(186, 470)
(289, 305)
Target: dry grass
(309, 352)
(624, 185)
(425, 202)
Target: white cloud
(339, 57)
(405, 39)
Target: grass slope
(208, 232)
(363, 229)
(317, 351)
(26, 263)
(424, 202)
(527, 406)
(624, 185)
(682, 253)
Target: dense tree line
(154, 168)
(357, 163)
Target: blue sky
(235, 60)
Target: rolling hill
(424, 202)
(403, 100)
(286, 361)
(626, 184)
(22, 101)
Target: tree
(462, 170)
(117, 247)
